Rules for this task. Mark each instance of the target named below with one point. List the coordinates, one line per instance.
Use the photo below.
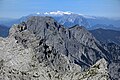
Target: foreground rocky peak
(43, 49)
(75, 42)
(46, 26)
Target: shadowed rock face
(75, 42)
(114, 66)
(107, 35)
(43, 49)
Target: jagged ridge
(43, 49)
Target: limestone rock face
(75, 42)
(42, 49)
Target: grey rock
(43, 49)
(107, 35)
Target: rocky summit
(42, 49)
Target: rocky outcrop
(75, 42)
(42, 49)
(19, 63)
(114, 66)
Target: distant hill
(8, 21)
(4, 31)
(106, 35)
(104, 26)
(104, 21)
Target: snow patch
(58, 13)
(37, 13)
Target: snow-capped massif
(69, 19)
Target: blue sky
(18, 8)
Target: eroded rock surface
(42, 49)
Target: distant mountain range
(8, 21)
(103, 26)
(106, 36)
(69, 19)
(96, 25)
(107, 22)
(4, 31)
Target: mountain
(4, 31)
(114, 66)
(103, 26)
(41, 48)
(90, 22)
(73, 19)
(106, 35)
(107, 22)
(70, 19)
(67, 19)
(111, 40)
(8, 21)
